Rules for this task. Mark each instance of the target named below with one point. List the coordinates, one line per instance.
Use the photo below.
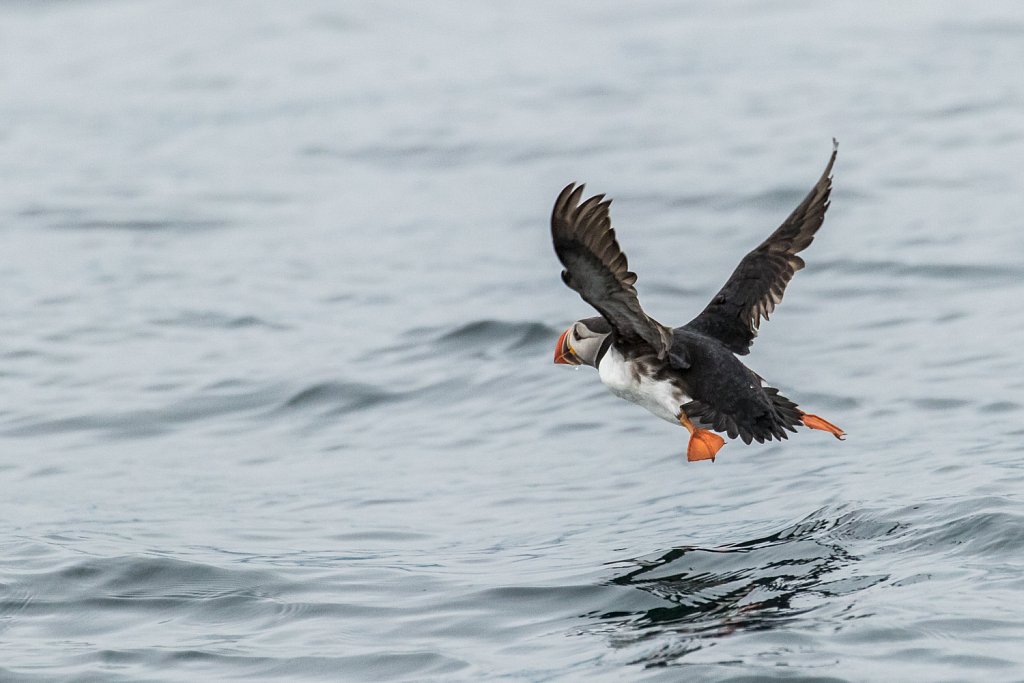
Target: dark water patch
(965, 109)
(338, 298)
(141, 224)
(939, 403)
(339, 397)
(18, 354)
(486, 333)
(60, 300)
(227, 383)
(13, 601)
(479, 339)
(47, 472)
(214, 319)
(65, 213)
(373, 502)
(887, 323)
(563, 427)
(952, 361)
(1000, 407)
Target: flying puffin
(687, 375)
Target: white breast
(626, 380)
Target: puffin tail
(787, 415)
(791, 417)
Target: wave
(807, 576)
(511, 336)
(339, 397)
(478, 339)
(752, 585)
(214, 319)
(93, 602)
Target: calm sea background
(279, 304)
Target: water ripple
(339, 397)
(760, 584)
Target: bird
(689, 375)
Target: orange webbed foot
(704, 444)
(815, 422)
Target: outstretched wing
(759, 281)
(596, 268)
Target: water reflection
(754, 585)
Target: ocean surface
(278, 313)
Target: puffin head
(580, 344)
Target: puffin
(688, 375)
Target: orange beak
(563, 353)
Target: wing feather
(598, 270)
(757, 285)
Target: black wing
(759, 281)
(596, 268)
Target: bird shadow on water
(798, 575)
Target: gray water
(279, 306)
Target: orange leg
(815, 422)
(704, 444)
